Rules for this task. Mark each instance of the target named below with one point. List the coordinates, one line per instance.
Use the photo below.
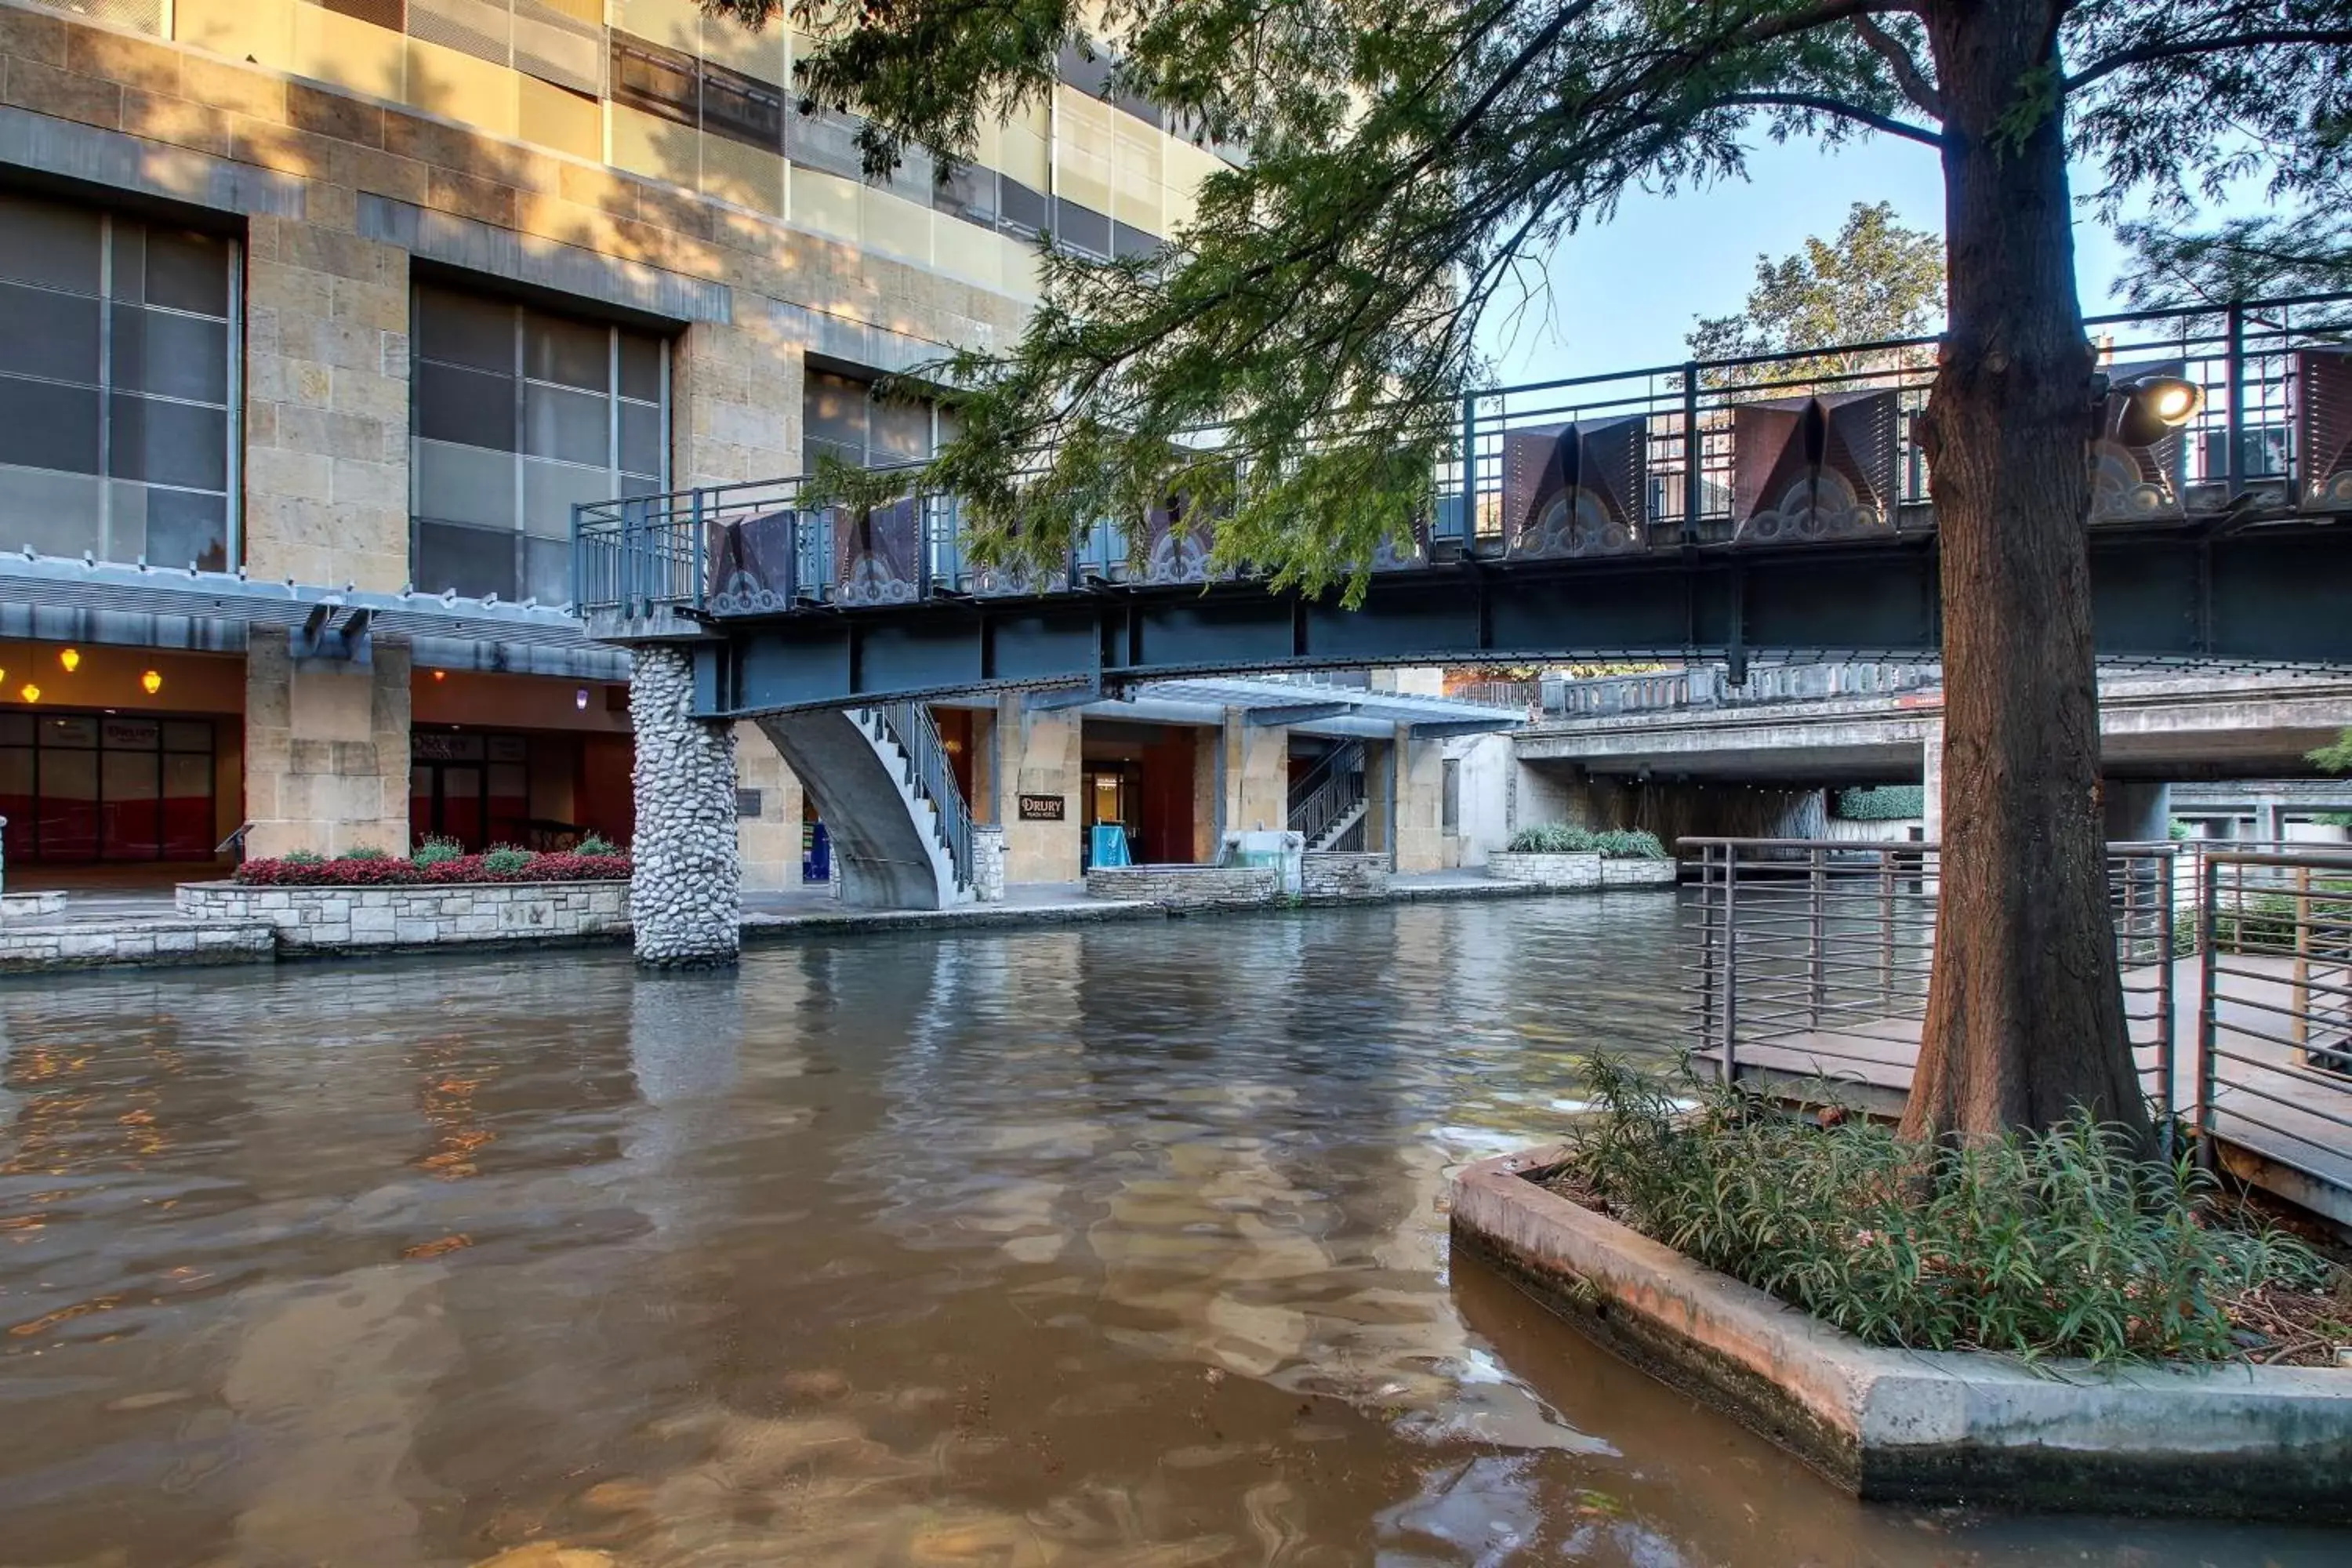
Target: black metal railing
(1776, 449)
(930, 773)
(1327, 792)
(2274, 1057)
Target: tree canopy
(1872, 282)
(1406, 161)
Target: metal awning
(1311, 706)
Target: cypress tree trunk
(2025, 1017)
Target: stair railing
(931, 773)
(1327, 792)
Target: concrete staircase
(901, 832)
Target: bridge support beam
(686, 897)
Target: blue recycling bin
(1108, 847)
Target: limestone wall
(1256, 775)
(1339, 874)
(1419, 803)
(1038, 754)
(331, 919)
(768, 838)
(326, 748)
(1186, 887)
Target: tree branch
(1837, 107)
(2144, 54)
(1907, 74)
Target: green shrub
(1881, 803)
(1550, 838)
(2048, 1244)
(1629, 844)
(303, 857)
(366, 852)
(595, 844)
(506, 859)
(436, 851)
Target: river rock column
(987, 863)
(686, 897)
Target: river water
(1118, 1245)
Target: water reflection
(1120, 1245)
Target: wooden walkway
(2280, 1120)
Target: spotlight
(2154, 405)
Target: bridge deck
(2292, 1118)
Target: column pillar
(1420, 804)
(326, 748)
(686, 897)
(2135, 811)
(1931, 782)
(2270, 822)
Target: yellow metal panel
(894, 226)
(461, 87)
(760, 54)
(825, 203)
(553, 117)
(1082, 149)
(744, 175)
(258, 31)
(589, 11)
(1024, 267)
(330, 47)
(677, 24)
(1186, 166)
(1138, 195)
(645, 144)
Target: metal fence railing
(1685, 456)
(1810, 959)
(929, 775)
(2274, 1010)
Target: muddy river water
(1118, 1245)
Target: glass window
(842, 416)
(514, 423)
(1081, 229)
(118, 357)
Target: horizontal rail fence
(1782, 449)
(2274, 1049)
(1807, 959)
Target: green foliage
(1559, 838)
(2306, 249)
(1875, 280)
(303, 857)
(2177, 831)
(2332, 818)
(435, 851)
(595, 844)
(366, 852)
(1410, 165)
(1881, 803)
(2052, 1243)
(2336, 757)
(506, 859)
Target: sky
(1623, 294)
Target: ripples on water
(1117, 1246)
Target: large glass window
(117, 375)
(103, 787)
(843, 416)
(518, 415)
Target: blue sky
(1623, 294)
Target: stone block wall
(1420, 802)
(1256, 776)
(768, 842)
(1038, 754)
(326, 748)
(96, 944)
(1344, 874)
(1638, 873)
(687, 885)
(1567, 872)
(1186, 887)
(337, 919)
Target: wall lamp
(2153, 406)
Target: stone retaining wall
(1579, 870)
(96, 945)
(416, 914)
(1638, 873)
(1186, 887)
(1345, 874)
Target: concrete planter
(423, 914)
(1186, 887)
(1637, 873)
(2233, 1441)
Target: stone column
(987, 863)
(2136, 811)
(685, 896)
(1419, 803)
(1039, 754)
(326, 748)
(1258, 775)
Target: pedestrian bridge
(1730, 509)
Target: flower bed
(384, 870)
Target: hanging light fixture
(31, 693)
(440, 675)
(152, 681)
(580, 699)
(71, 660)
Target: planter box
(1638, 873)
(417, 914)
(1186, 887)
(1578, 870)
(2230, 1440)
(1344, 874)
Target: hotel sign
(1041, 808)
